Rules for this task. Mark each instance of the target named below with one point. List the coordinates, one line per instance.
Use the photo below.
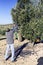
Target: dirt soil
(26, 54)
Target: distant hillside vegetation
(4, 27)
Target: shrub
(2, 32)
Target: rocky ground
(27, 54)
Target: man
(10, 43)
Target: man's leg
(7, 50)
(13, 52)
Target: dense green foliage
(2, 32)
(29, 18)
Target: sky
(5, 11)
(35, 2)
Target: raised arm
(15, 28)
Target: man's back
(9, 37)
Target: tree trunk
(19, 37)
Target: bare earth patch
(27, 55)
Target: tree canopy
(29, 17)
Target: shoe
(14, 60)
(6, 58)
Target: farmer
(10, 43)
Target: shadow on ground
(2, 39)
(19, 51)
(22, 52)
(40, 61)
